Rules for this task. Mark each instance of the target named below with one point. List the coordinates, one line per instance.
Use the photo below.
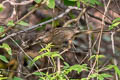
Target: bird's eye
(65, 42)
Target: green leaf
(7, 48)
(100, 77)
(1, 7)
(35, 59)
(100, 56)
(93, 2)
(38, 73)
(2, 30)
(55, 23)
(72, 0)
(114, 25)
(39, 57)
(17, 78)
(51, 3)
(3, 58)
(91, 57)
(84, 79)
(56, 54)
(116, 20)
(103, 76)
(37, 1)
(106, 75)
(72, 15)
(47, 48)
(96, 56)
(79, 68)
(22, 23)
(10, 23)
(117, 70)
(78, 4)
(3, 78)
(109, 66)
(93, 75)
(66, 65)
(69, 3)
(50, 54)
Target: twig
(76, 19)
(102, 25)
(24, 52)
(113, 49)
(91, 71)
(95, 41)
(106, 16)
(14, 12)
(58, 65)
(20, 62)
(25, 16)
(106, 22)
(117, 5)
(16, 4)
(64, 51)
(13, 71)
(38, 71)
(89, 39)
(84, 58)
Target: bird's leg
(69, 43)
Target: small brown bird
(58, 36)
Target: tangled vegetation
(59, 40)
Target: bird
(58, 36)
(61, 35)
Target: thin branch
(38, 71)
(24, 52)
(97, 18)
(58, 65)
(102, 25)
(113, 49)
(20, 62)
(16, 4)
(91, 71)
(76, 19)
(117, 5)
(89, 39)
(13, 71)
